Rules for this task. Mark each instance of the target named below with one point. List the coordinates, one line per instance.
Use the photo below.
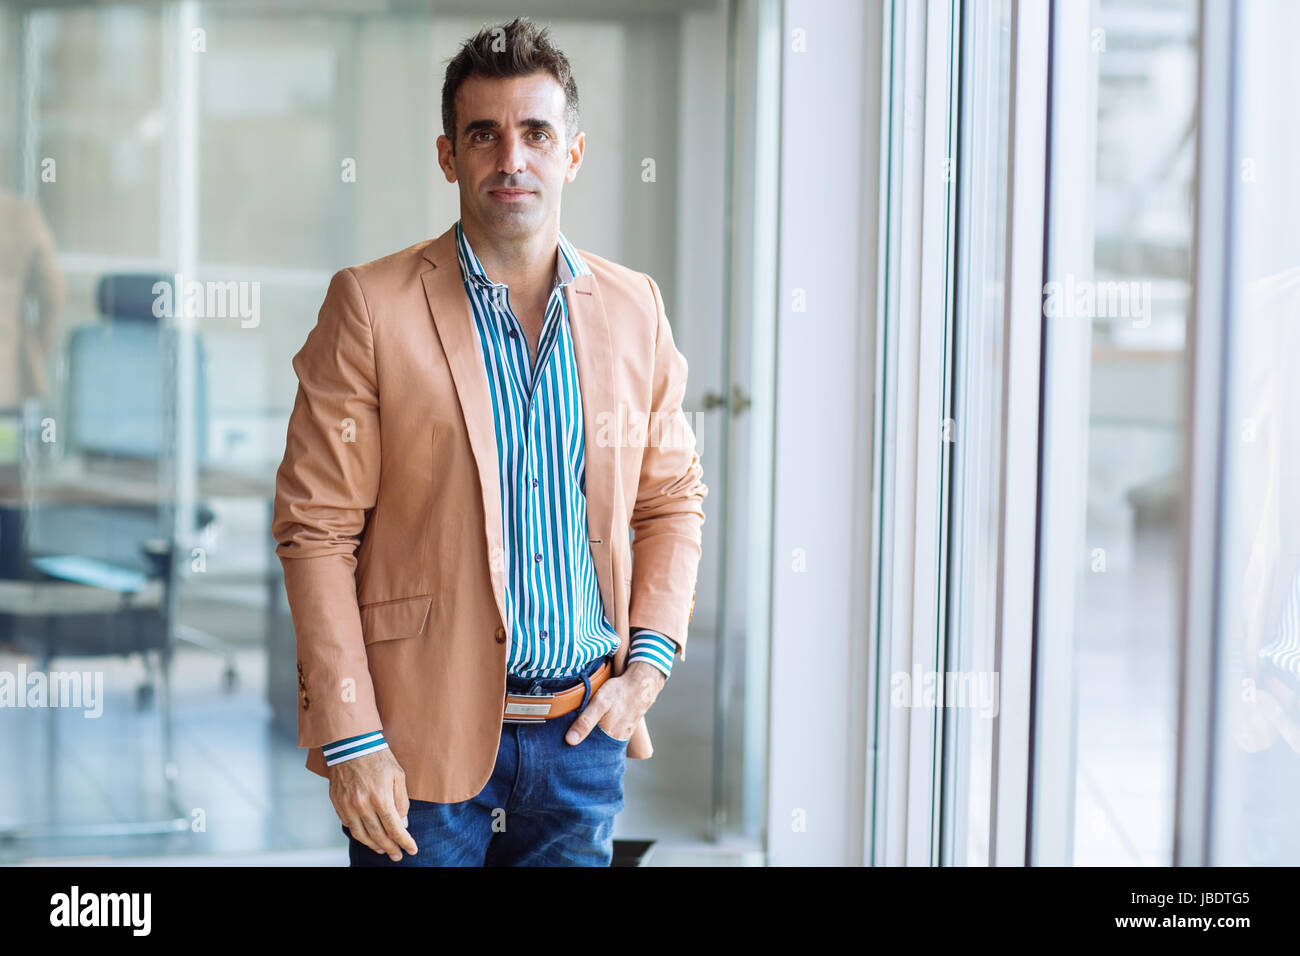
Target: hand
(369, 795)
(619, 703)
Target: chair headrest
(129, 296)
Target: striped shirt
(553, 597)
(1284, 650)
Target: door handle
(738, 401)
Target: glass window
(1256, 762)
(97, 128)
(1115, 303)
(255, 149)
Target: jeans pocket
(605, 735)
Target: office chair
(118, 395)
(100, 576)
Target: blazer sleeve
(324, 491)
(668, 515)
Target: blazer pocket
(394, 620)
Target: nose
(511, 154)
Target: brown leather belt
(534, 708)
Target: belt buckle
(538, 712)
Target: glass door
(740, 417)
(1252, 751)
(1117, 300)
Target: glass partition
(1256, 754)
(255, 149)
(1115, 306)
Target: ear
(575, 156)
(446, 161)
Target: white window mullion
(1017, 551)
(1206, 392)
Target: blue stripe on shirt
(556, 616)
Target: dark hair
(517, 48)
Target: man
(1264, 568)
(489, 508)
(28, 267)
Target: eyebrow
(530, 123)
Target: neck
(518, 261)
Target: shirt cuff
(351, 747)
(653, 648)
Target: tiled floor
(1126, 709)
(244, 794)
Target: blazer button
(501, 635)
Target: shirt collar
(569, 263)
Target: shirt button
(537, 556)
(534, 482)
(542, 635)
(514, 334)
(501, 635)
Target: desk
(75, 618)
(125, 483)
(110, 484)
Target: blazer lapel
(445, 290)
(594, 356)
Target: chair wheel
(229, 680)
(144, 696)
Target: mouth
(509, 195)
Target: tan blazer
(388, 515)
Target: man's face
(512, 157)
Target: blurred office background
(843, 221)
(268, 145)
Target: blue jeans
(548, 803)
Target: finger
(380, 836)
(397, 831)
(616, 731)
(358, 831)
(589, 717)
(401, 802)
